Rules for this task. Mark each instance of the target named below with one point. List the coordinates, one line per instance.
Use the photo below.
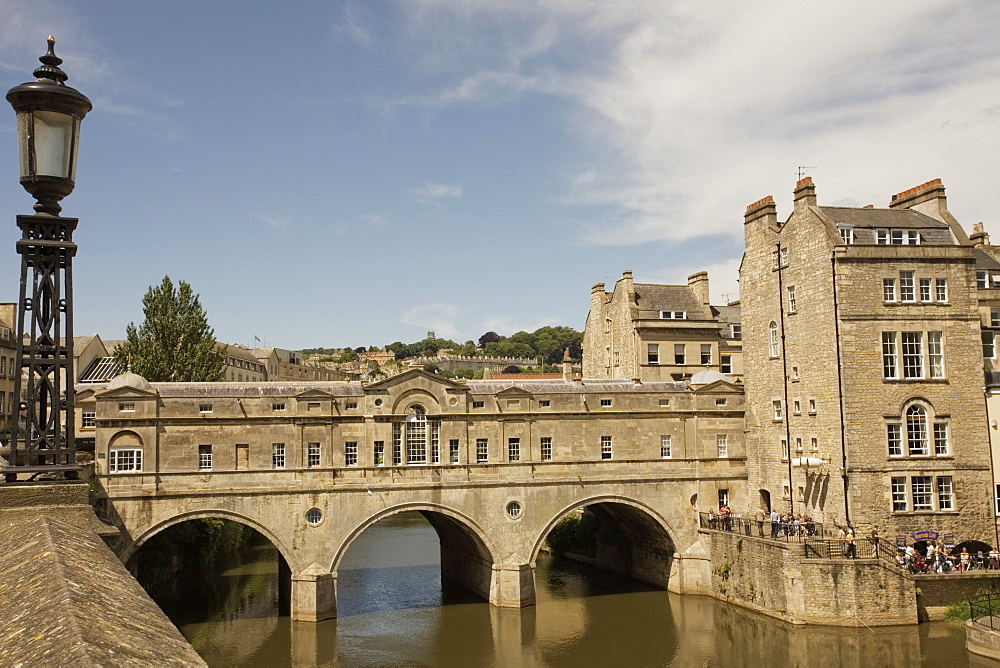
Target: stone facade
(660, 332)
(8, 363)
(864, 366)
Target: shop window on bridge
(513, 449)
(378, 453)
(606, 450)
(125, 460)
(204, 457)
(482, 450)
(351, 453)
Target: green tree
(174, 341)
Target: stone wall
(775, 578)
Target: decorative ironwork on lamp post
(48, 131)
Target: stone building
(8, 360)
(863, 361)
(419, 419)
(660, 332)
(281, 364)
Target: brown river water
(393, 611)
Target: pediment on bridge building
(315, 394)
(514, 391)
(720, 387)
(411, 376)
(85, 394)
(126, 392)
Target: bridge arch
(286, 553)
(645, 548)
(467, 553)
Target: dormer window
(846, 234)
(887, 237)
(673, 315)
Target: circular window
(314, 516)
(453, 401)
(514, 510)
(378, 402)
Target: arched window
(773, 339)
(916, 429)
(419, 436)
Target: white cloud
(372, 219)
(353, 27)
(437, 317)
(280, 222)
(433, 193)
(684, 113)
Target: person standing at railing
(725, 515)
(852, 550)
(873, 537)
(775, 518)
(842, 538)
(994, 559)
(965, 559)
(758, 517)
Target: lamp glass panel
(53, 143)
(23, 141)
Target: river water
(393, 612)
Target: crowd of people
(776, 524)
(937, 560)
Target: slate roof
(985, 261)
(932, 231)
(652, 298)
(589, 386)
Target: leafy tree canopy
(488, 337)
(174, 341)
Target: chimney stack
(979, 237)
(804, 193)
(762, 209)
(927, 198)
(567, 366)
(698, 283)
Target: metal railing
(985, 610)
(834, 548)
(748, 526)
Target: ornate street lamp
(48, 130)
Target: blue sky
(355, 173)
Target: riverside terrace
(493, 466)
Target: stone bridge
(492, 519)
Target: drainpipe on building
(784, 381)
(840, 389)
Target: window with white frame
(680, 354)
(721, 402)
(899, 500)
(607, 325)
(916, 430)
(673, 315)
(798, 444)
(350, 453)
(350, 405)
(784, 449)
(453, 451)
(885, 237)
(125, 460)
(736, 330)
(989, 345)
(918, 361)
(791, 299)
(795, 374)
(906, 287)
(546, 448)
(653, 353)
(128, 407)
(784, 256)
(666, 446)
(312, 455)
(706, 353)
(776, 407)
(812, 406)
(482, 450)
(925, 290)
(941, 289)
(478, 404)
(935, 354)
(513, 449)
(605, 447)
(544, 403)
(982, 280)
(435, 451)
(726, 364)
(945, 493)
(996, 498)
(814, 444)
(995, 317)
(277, 455)
(796, 407)
(889, 289)
(772, 332)
(774, 260)
(605, 403)
(205, 408)
(846, 234)
(890, 361)
(941, 448)
(88, 419)
(919, 428)
(894, 432)
(204, 457)
(721, 445)
(418, 435)
(920, 491)
(278, 406)
(664, 403)
(378, 453)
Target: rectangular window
(935, 354)
(798, 444)
(776, 405)
(721, 446)
(312, 455)
(895, 436)
(482, 450)
(653, 353)
(996, 498)
(889, 289)
(617, 363)
(88, 419)
(795, 374)
(666, 446)
(726, 364)
(899, 494)
(605, 403)
(882, 237)
(913, 354)
(435, 443)
(350, 453)
(673, 315)
(723, 497)
(720, 402)
(125, 460)
(904, 237)
(941, 289)
(378, 453)
(784, 256)
(453, 451)
(478, 404)
(664, 403)
(513, 449)
(989, 349)
(350, 405)
(982, 280)
(736, 330)
(277, 455)
(278, 407)
(605, 447)
(205, 408)
(204, 457)
(774, 259)
(920, 487)
(846, 234)
(546, 448)
(679, 353)
(995, 317)
(706, 353)
(916, 432)
(607, 326)
(312, 406)
(796, 407)
(941, 438)
(397, 447)
(925, 289)
(784, 449)
(791, 299)
(946, 498)
(544, 403)
(814, 444)
(126, 408)
(906, 292)
(890, 368)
